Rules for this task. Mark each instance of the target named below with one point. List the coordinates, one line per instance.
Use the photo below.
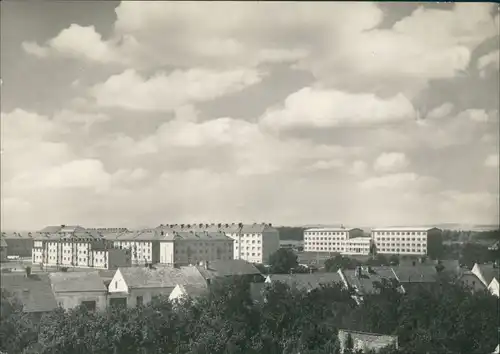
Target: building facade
(415, 241)
(336, 240)
(251, 242)
(19, 244)
(144, 245)
(3, 250)
(76, 247)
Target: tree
(282, 261)
(340, 262)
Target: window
(139, 301)
(116, 284)
(89, 305)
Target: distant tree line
(447, 320)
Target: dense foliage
(283, 261)
(291, 233)
(448, 319)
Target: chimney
(206, 265)
(358, 272)
(162, 233)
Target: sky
(135, 114)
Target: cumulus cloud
(333, 40)
(490, 60)
(391, 162)
(398, 181)
(441, 111)
(330, 108)
(491, 160)
(163, 92)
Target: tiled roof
(77, 282)
(51, 229)
(489, 272)
(223, 227)
(307, 281)
(415, 274)
(223, 268)
(161, 277)
(366, 341)
(365, 284)
(17, 235)
(194, 291)
(35, 292)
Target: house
(471, 281)
(218, 270)
(367, 280)
(497, 350)
(366, 341)
(135, 286)
(424, 275)
(144, 245)
(187, 292)
(3, 250)
(33, 291)
(73, 289)
(306, 282)
(488, 274)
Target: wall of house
(195, 251)
(494, 288)
(69, 300)
(405, 242)
(118, 284)
(19, 246)
(177, 294)
(473, 282)
(118, 258)
(167, 252)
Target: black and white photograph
(247, 177)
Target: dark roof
(3, 243)
(224, 227)
(223, 268)
(306, 281)
(77, 282)
(489, 272)
(35, 292)
(161, 277)
(51, 229)
(194, 291)
(365, 284)
(415, 274)
(367, 341)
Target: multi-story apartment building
(191, 247)
(73, 246)
(416, 241)
(336, 240)
(19, 244)
(252, 242)
(144, 245)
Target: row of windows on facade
(334, 243)
(408, 233)
(324, 238)
(402, 250)
(326, 233)
(248, 247)
(201, 251)
(248, 241)
(387, 244)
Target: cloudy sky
(135, 114)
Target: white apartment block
(73, 246)
(144, 245)
(253, 243)
(336, 240)
(403, 240)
